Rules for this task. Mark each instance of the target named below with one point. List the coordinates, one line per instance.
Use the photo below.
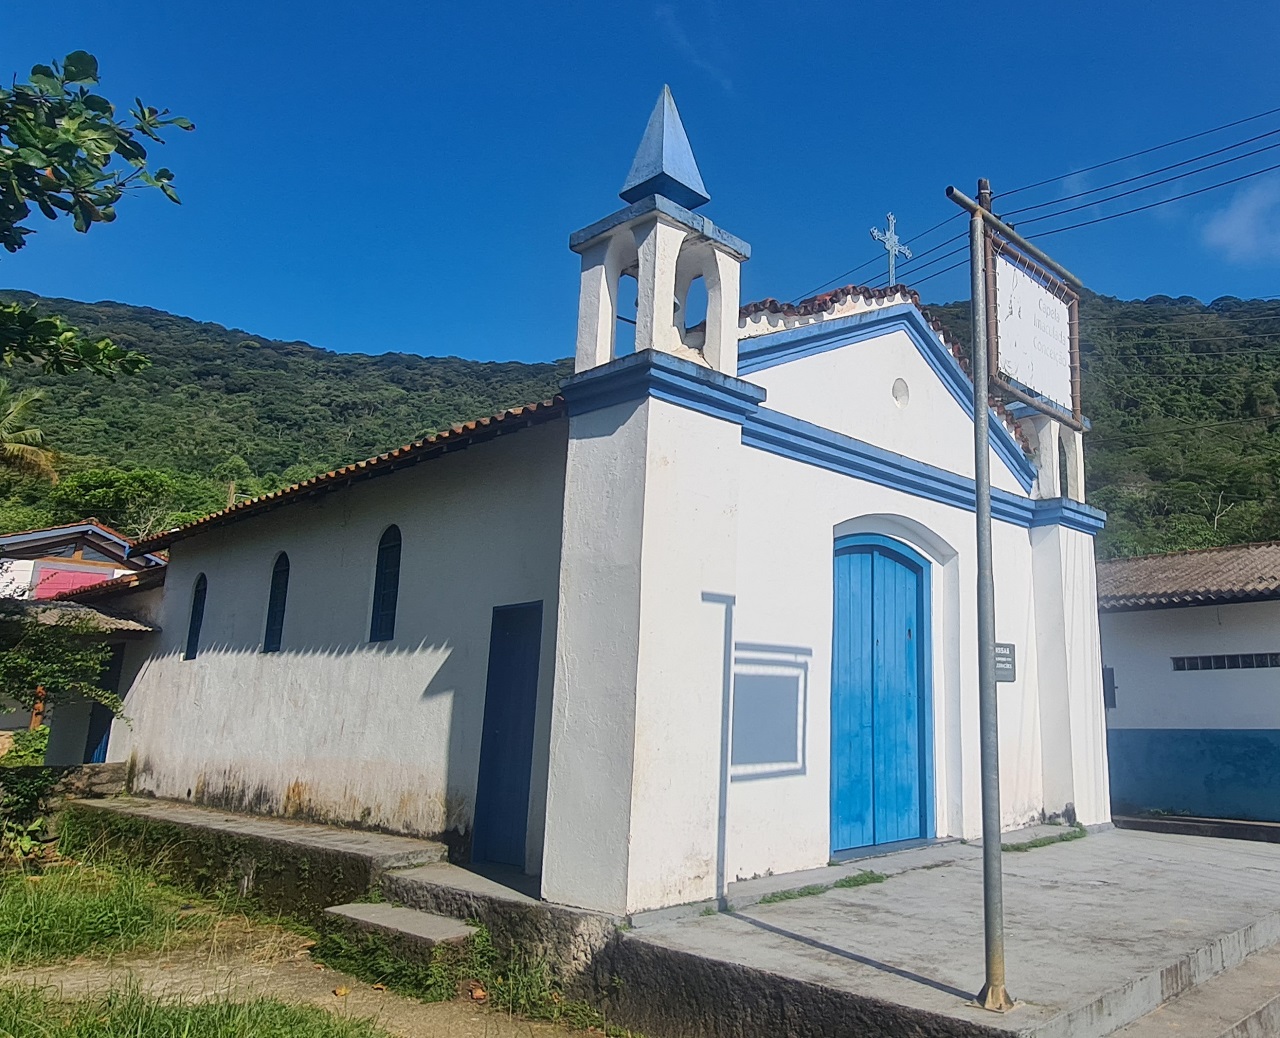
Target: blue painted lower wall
(1214, 773)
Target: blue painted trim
(696, 222)
(678, 381)
(657, 374)
(924, 566)
(794, 343)
(1074, 515)
(799, 440)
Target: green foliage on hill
(219, 406)
(1184, 399)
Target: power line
(1153, 205)
(939, 273)
(1143, 176)
(1147, 187)
(1137, 154)
(1208, 425)
(1102, 219)
(938, 259)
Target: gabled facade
(707, 615)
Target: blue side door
(880, 726)
(506, 746)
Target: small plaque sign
(1006, 662)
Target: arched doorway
(881, 696)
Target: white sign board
(1033, 330)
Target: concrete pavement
(1099, 931)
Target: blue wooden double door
(881, 731)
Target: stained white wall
(1150, 694)
(332, 726)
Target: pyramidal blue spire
(664, 163)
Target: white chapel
(705, 615)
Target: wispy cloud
(1247, 229)
(669, 22)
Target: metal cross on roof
(892, 246)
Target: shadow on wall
(383, 735)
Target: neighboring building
(49, 563)
(79, 730)
(45, 563)
(707, 614)
(1191, 647)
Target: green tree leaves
(63, 152)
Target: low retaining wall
(279, 876)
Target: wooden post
(37, 711)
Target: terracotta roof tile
(455, 438)
(1237, 573)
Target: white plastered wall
(332, 726)
(1138, 645)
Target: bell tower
(661, 242)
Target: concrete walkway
(1099, 931)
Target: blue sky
(404, 176)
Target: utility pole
(892, 245)
(993, 996)
(986, 228)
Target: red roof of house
(139, 581)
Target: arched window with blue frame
(194, 623)
(386, 586)
(275, 604)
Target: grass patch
(520, 985)
(860, 879)
(791, 895)
(1074, 832)
(30, 1012)
(856, 879)
(71, 910)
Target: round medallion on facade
(901, 392)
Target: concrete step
(407, 931)
(1243, 1002)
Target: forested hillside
(1184, 400)
(220, 405)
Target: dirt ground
(242, 960)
